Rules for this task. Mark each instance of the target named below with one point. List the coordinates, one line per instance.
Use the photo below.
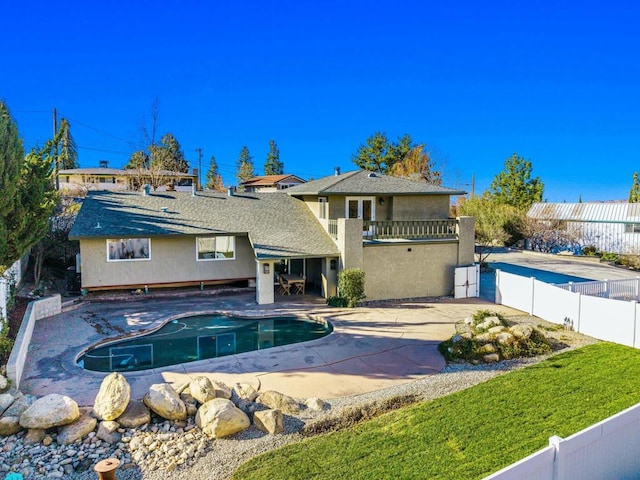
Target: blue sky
(556, 82)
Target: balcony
(410, 230)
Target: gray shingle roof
(362, 182)
(278, 225)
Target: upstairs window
(322, 207)
(216, 248)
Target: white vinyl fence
(600, 316)
(608, 449)
(626, 289)
(9, 280)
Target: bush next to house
(350, 288)
(487, 336)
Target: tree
(634, 194)
(378, 154)
(417, 165)
(168, 155)
(496, 224)
(514, 185)
(28, 194)
(214, 179)
(244, 165)
(68, 153)
(273, 165)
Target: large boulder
(7, 399)
(20, 405)
(245, 392)
(220, 418)
(135, 415)
(315, 404)
(108, 432)
(113, 397)
(269, 421)
(279, 401)
(52, 410)
(76, 430)
(521, 331)
(165, 401)
(222, 390)
(202, 389)
(9, 425)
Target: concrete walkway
(370, 348)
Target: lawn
(472, 433)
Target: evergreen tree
(28, 195)
(214, 179)
(273, 165)
(378, 154)
(244, 165)
(417, 165)
(514, 185)
(68, 154)
(634, 194)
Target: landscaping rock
(488, 323)
(222, 390)
(491, 358)
(165, 401)
(280, 401)
(34, 435)
(76, 430)
(6, 400)
(245, 392)
(4, 383)
(269, 421)
(20, 405)
(484, 338)
(113, 397)
(521, 331)
(487, 348)
(52, 410)
(135, 415)
(9, 425)
(496, 329)
(108, 432)
(314, 404)
(202, 389)
(220, 418)
(504, 338)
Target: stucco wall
(409, 269)
(420, 207)
(173, 260)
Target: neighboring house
(396, 230)
(79, 180)
(270, 183)
(609, 227)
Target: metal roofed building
(609, 227)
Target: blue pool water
(188, 339)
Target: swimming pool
(192, 338)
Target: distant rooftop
(613, 212)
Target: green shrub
(336, 301)
(6, 344)
(481, 315)
(610, 257)
(589, 250)
(351, 285)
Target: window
(322, 207)
(128, 249)
(216, 248)
(632, 228)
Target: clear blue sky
(557, 82)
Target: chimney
(336, 171)
(230, 191)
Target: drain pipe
(106, 469)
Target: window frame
(215, 258)
(120, 240)
(323, 208)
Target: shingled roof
(278, 226)
(363, 182)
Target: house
(79, 180)
(396, 230)
(270, 183)
(609, 227)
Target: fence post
(555, 442)
(606, 288)
(637, 289)
(498, 295)
(571, 287)
(533, 294)
(577, 327)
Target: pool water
(188, 339)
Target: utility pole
(199, 150)
(473, 185)
(55, 132)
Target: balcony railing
(410, 230)
(332, 228)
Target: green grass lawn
(471, 433)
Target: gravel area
(217, 459)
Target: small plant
(610, 257)
(568, 323)
(351, 286)
(481, 315)
(6, 344)
(589, 250)
(336, 301)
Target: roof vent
(97, 225)
(164, 209)
(336, 171)
(373, 175)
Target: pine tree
(244, 165)
(634, 194)
(273, 165)
(214, 179)
(68, 154)
(514, 185)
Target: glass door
(361, 207)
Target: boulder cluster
(487, 337)
(52, 436)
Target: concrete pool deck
(370, 348)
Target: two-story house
(398, 231)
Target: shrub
(336, 301)
(6, 344)
(351, 285)
(610, 257)
(589, 250)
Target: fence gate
(467, 282)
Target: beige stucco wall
(420, 207)
(409, 269)
(173, 260)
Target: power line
(128, 142)
(103, 150)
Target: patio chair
(300, 286)
(285, 288)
